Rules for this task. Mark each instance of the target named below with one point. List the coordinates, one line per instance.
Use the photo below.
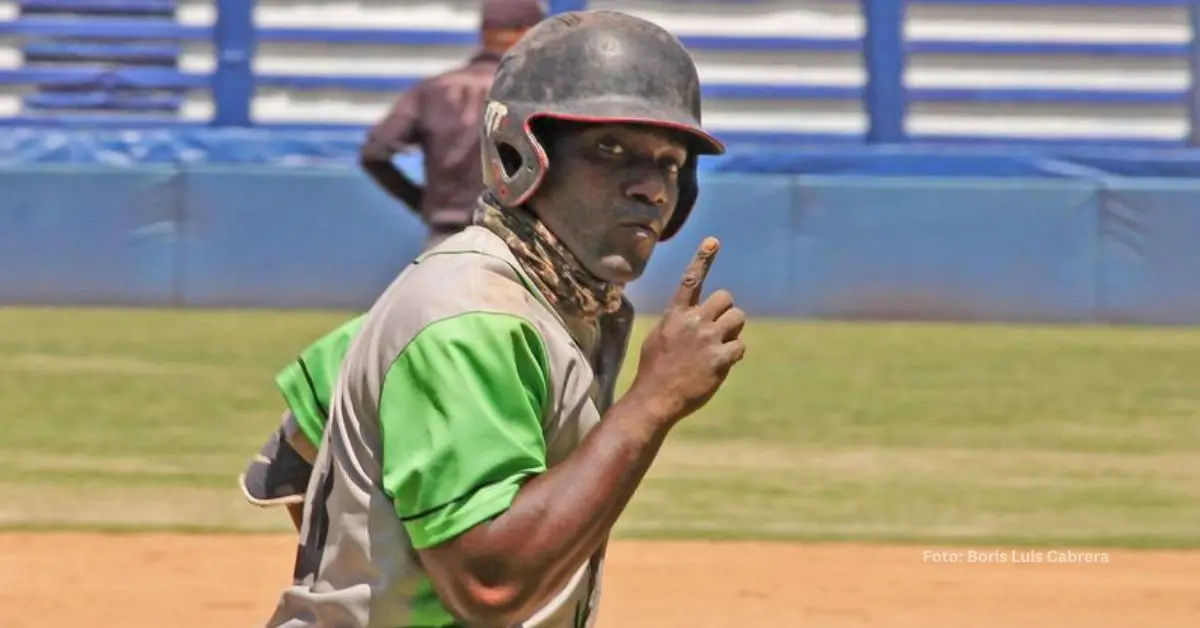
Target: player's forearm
(394, 182)
(560, 518)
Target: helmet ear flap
(689, 191)
(514, 162)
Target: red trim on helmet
(677, 126)
(544, 161)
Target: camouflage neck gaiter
(556, 271)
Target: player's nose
(648, 188)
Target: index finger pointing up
(692, 284)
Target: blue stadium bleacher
(133, 54)
(68, 70)
(143, 63)
(146, 8)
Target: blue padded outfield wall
(1020, 160)
(1021, 238)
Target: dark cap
(512, 14)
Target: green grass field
(142, 419)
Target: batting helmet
(594, 67)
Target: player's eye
(670, 164)
(610, 146)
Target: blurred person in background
(440, 116)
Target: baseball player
(474, 460)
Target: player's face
(610, 191)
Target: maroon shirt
(441, 117)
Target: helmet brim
(632, 111)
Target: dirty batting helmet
(592, 67)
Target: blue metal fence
(136, 38)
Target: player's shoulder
(467, 291)
(472, 272)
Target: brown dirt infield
(189, 581)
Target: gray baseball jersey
(462, 383)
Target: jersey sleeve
(461, 421)
(307, 383)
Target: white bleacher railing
(774, 70)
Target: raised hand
(686, 357)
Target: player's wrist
(649, 410)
